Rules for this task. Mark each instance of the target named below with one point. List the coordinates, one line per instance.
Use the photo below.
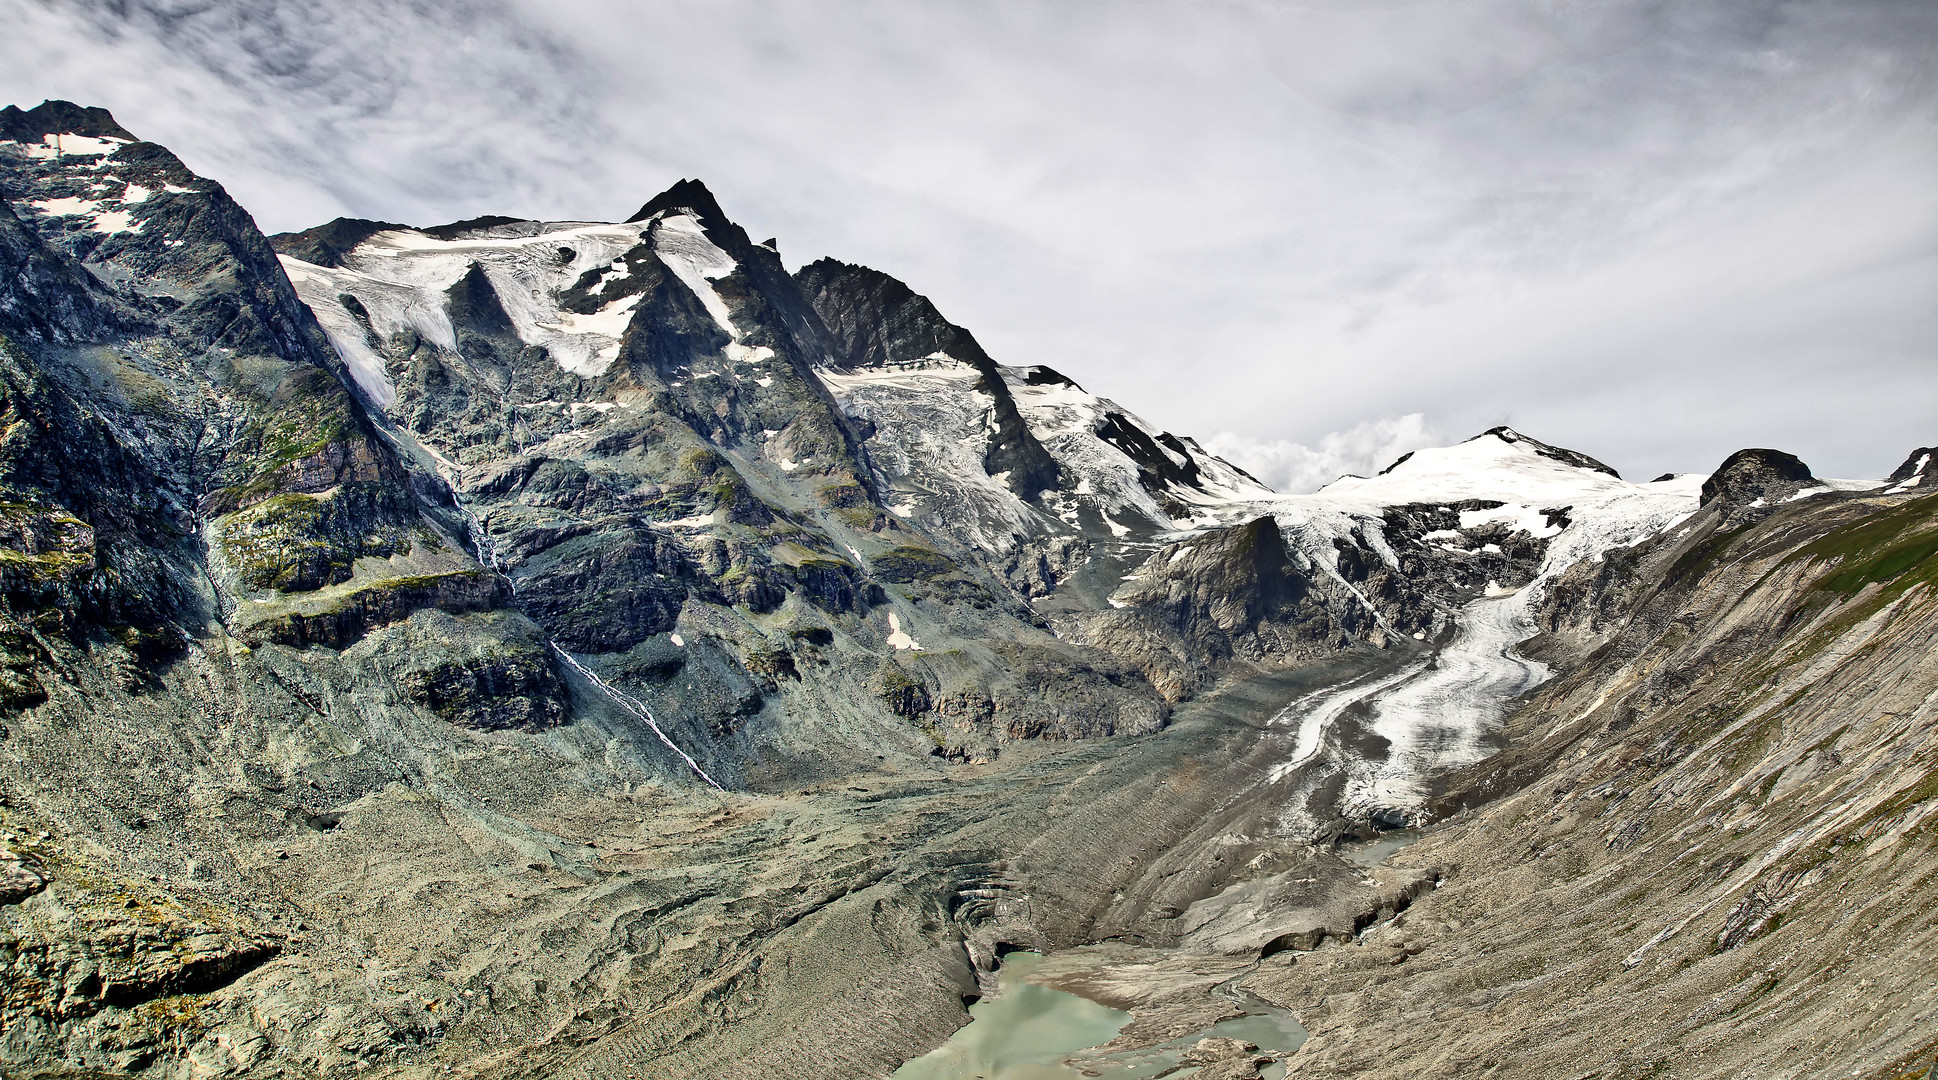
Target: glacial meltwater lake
(1026, 1032)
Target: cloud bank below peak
(1295, 468)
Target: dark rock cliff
(876, 321)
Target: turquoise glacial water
(1027, 1031)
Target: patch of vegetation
(1704, 555)
(1894, 549)
(1923, 790)
(843, 496)
(298, 543)
(309, 412)
(905, 564)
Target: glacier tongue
(1434, 716)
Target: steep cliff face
(875, 321)
(192, 497)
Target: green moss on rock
(905, 564)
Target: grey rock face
(1917, 472)
(1751, 475)
(17, 882)
(875, 321)
(326, 244)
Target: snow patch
(897, 639)
(681, 243)
(71, 206)
(115, 221)
(608, 322)
(64, 145)
(400, 277)
(741, 354)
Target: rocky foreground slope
(522, 648)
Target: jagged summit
(56, 117)
(686, 195)
(876, 321)
(1916, 472)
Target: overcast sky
(1312, 234)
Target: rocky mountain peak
(686, 195)
(1916, 472)
(1756, 475)
(55, 117)
(875, 321)
(328, 243)
(1558, 453)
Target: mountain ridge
(563, 648)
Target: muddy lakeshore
(843, 930)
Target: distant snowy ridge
(1118, 475)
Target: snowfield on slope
(932, 428)
(400, 276)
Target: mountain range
(516, 648)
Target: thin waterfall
(488, 555)
(638, 708)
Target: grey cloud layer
(1656, 231)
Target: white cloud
(1657, 232)
(1361, 450)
